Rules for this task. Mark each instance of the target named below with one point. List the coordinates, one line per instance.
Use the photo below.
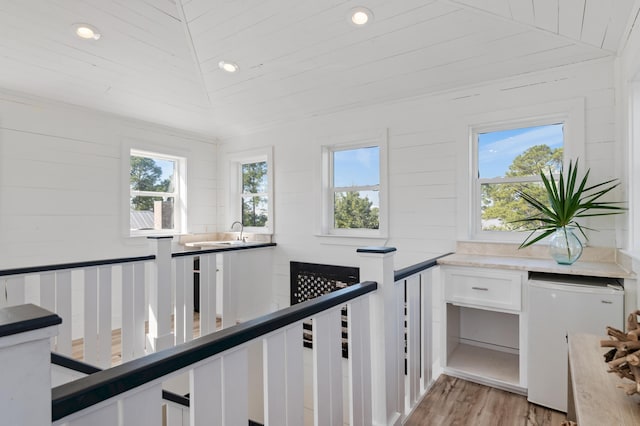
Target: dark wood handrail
(116, 261)
(87, 391)
(84, 368)
(222, 248)
(74, 265)
(418, 267)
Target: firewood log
(614, 332)
(632, 321)
(624, 357)
(634, 335)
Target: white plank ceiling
(157, 60)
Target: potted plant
(567, 200)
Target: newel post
(25, 362)
(160, 335)
(387, 387)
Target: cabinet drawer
(482, 287)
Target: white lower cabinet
(484, 326)
(560, 305)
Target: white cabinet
(484, 326)
(559, 305)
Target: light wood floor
(456, 402)
(77, 346)
(450, 401)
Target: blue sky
(358, 167)
(167, 167)
(496, 150)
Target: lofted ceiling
(157, 60)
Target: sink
(205, 244)
(232, 243)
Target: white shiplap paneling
(158, 60)
(427, 137)
(570, 17)
(546, 14)
(522, 11)
(60, 181)
(596, 18)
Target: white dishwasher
(558, 305)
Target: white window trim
(234, 190)
(327, 190)
(570, 113)
(134, 147)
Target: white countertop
(493, 256)
(595, 269)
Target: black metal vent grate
(310, 280)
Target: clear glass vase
(564, 246)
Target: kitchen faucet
(241, 229)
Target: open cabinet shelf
(484, 362)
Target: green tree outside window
(501, 203)
(254, 194)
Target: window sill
(156, 234)
(352, 240)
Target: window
(156, 193)
(250, 190)
(254, 198)
(508, 160)
(354, 189)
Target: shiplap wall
(427, 141)
(61, 190)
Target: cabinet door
(555, 311)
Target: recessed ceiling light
(228, 66)
(86, 31)
(360, 16)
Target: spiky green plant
(567, 201)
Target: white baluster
(426, 283)
(128, 307)
(91, 316)
(48, 291)
(142, 408)
(413, 337)
(48, 295)
(208, 267)
(327, 368)
(104, 415)
(399, 347)
(139, 309)
(205, 394)
(104, 316)
(230, 261)
(188, 299)
(3, 292)
(283, 377)
(15, 290)
(63, 309)
(179, 311)
(235, 387)
(359, 362)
